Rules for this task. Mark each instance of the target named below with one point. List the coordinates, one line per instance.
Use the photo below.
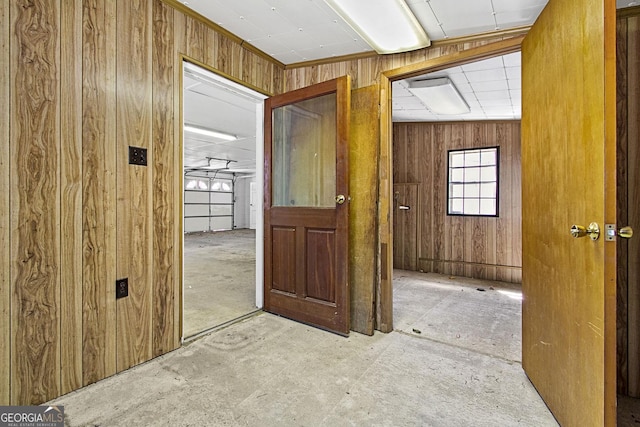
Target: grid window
(473, 182)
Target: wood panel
(568, 310)
(71, 196)
(165, 280)
(134, 183)
(34, 200)
(321, 264)
(484, 248)
(283, 246)
(405, 226)
(5, 249)
(363, 179)
(628, 213)
(98, 192)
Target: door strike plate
(122, 288)
(610, 232)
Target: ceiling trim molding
(217, 28)
(628, 12)
(511, 32)
(488, 50)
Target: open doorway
(222, 193)
(456, 205)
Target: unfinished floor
(219, 278)
(453, 360)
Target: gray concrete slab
(271, 371)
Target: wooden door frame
(384, 291)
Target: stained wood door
(306, 226)
(405, 226)
(568, 177)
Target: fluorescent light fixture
(388, 26)
(209, 132)
(439, 95)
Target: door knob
(340, 199)
(579, 231)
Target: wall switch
(137, 156)
(122, 288)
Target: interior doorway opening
(222, 193)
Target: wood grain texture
(71, 196)
(405, 226)
(568, 284)
(633, 210)
(34, 199)
(165, 269)
(622, 191)
(134, 337)
(484, 248)
(98, 190)
(5, 248)
(363, 251)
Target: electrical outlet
(137, 156)
(122, 288)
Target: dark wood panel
(34, 200)
(320, 264)
(622, 191)
(164, 174)
(405, 226)
(134, 207)
(98, 192)
(71, 196)
(464, 246)
(5, 248)
(283, 255)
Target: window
(473, 182)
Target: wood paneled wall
(628, 197)
(478, 247)
(81, 81)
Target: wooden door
(405, 226)
(306, 225)
(568, 177)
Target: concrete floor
(219, 278)
(452, 361)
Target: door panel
(306, 230)
(568, 176)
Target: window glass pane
(488, 173)
(304, 153)
(457, 175)
(191, 184)
(488, 190)
(456, 206)
(488, 157)
(472, 158)
(216, 186)
(456, 160)
(472, 175)
(472, 206)
(487, 207)
(226, 186)
(457, 190)
(471, 190)
(203, 185)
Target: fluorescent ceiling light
(439, 95)
(209, 132)
(387, 25)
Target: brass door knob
(340, 199)
(625, 232)
(592, 231)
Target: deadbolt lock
(593, 231)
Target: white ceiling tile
(514, 84)
(513, 73)
(496, 103)
(490, 86)
(497, 94)
(485, 75)
(485, 64)
(512, 59)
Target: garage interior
(100, 220)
